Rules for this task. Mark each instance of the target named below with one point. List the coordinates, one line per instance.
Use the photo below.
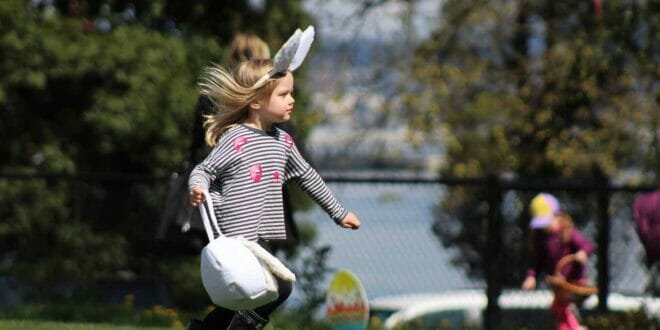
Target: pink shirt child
(549, 248)
(646, 211)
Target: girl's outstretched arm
(350, 221)
(310, 181)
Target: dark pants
(219, 318)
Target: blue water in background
(395, 250)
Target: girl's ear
(255, 105)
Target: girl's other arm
(583, 246)
(536, 260)
(311, 182)
(207, 171)
(197, 196)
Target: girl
(250, 161)
(555, 237)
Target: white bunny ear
(285, 55)
(304, 45)
(291, 55)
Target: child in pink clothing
(556, 237)
(646, 211)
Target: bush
(638, 319)
(96, 312)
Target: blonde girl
(250, 161)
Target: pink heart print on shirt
(256, 173)
(239, 142)
(288, 140)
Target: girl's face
(554, 227)
(279, 106)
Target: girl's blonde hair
(232, 94)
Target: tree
(76, 100)
(535, 89)
(91, 88)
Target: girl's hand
(196, 196)
(529, 283)
(581, 257)
(350, 221)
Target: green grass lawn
(48, 325)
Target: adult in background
(245, 46)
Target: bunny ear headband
(291, 55)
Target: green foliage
(294, 320)
(57, 248)
(577, 98)
(76, 98)
(535, 89)
(75, 101)
(637, 319)
(184, 283)
(85, 311)
(313, 267)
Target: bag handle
(208, 217)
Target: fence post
(493, 254)
(603, 244)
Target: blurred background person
(646, 211)
(244, 46)
(555, 237)
(180, 227)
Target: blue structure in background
(394, 252)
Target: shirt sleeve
(581, 242)
(311, 182)
(537, 255)
(212, 166)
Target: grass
(49, 325)
(91, 315)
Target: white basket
(232, 275)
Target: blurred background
(436, 122)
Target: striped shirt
(244, 174)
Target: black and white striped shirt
(244, 174)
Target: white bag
(232, 275)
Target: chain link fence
(399, 254)
(403, 261)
